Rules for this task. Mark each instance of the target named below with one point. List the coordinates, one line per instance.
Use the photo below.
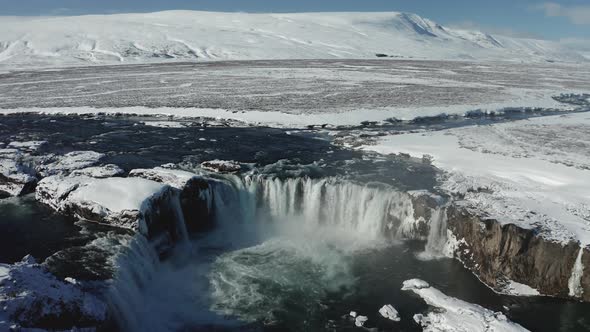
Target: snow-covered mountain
(193, 35)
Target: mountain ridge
(198, 35)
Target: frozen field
(278, 92)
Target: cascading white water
(362, 209)
(296, 235)
(437, 235)
(317, 228)
(179, 219)
(135, 265)
(575, 281)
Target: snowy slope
(536, 172)
(192, 35)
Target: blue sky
(554, 20)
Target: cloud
(471, 25)
(576, 14)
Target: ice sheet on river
(454, 315)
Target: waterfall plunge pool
(294, 255)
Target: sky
(557, 19)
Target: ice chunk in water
(389, 312)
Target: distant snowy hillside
(191, 35)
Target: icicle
(575, 281)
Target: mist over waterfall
(274, 239)
(367, 211)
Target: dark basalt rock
(497, 253)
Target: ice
(518, 289)
(414, 284)
(454, 315)
(360, 320)
(575, 281)
(389, 312)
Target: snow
(69, 162)
(353, 314)
(29, 146)
(197, 36)
(117, 194)
(518, 289)
(29, 294)
(173, 177)
(537, 177)
(454, 315)
(389, 312)
(221, 165)
(165, 124)
(104, 171)
(302, 120)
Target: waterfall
(249, 210)
(135, 266)
(575, 281)
(437, 235)
(181, 230)
(364, 209)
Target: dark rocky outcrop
(497, 253)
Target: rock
(221, 166)
(31, 297)
(498, 254)
(173, 177)
(105, 171)
(65, 164)
(389, 312)
(194, 196)
(122, 202)
(17, 176)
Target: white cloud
(576, 14)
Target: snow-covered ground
(191, 35)
(31, 296)
(454, 315)
(295, 93)
(533, 173)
